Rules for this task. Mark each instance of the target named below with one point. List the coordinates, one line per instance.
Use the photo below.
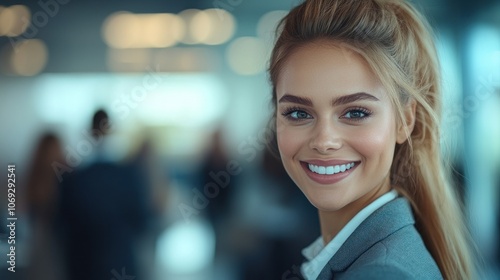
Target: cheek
(376, 141)
(289, 141)
(286, 145)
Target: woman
(357, 99)
(42, 181)
(42, 198)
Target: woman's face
(336, 127)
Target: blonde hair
(395, 40)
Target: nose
(325, 138)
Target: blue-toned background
(186, 90)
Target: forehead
(326, 67)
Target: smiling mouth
(330, 170)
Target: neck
(333, 221)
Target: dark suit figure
(104, 209)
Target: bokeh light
(14, 20)
(188, 17)
(266, 27)
(123, 30)
(161, 30)
(212, 26)
(28, 57)
(186, 248)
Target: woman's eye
(299, 115)
(295, 114)
(356, 114)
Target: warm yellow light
(201, 26)
(6, 20)
(213, 26)
(14, 20)
(22, 21)
(28, 57)
(160, 30)
(122, 30)
(188, 17)
(247, 55)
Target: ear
(405, 129)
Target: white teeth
(329, 170)
(322, 170)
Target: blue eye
(299, 115)
(356, 114)
(295, 114)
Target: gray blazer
(385, 246)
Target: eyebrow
(295, 99)
(335, 102)
(352, 98)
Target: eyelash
(288, 111)
(367, 113)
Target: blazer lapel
(384, 221)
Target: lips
(329, 172)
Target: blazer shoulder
(403, 252)
(386, 244)
(376, 272)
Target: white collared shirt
(318, 255)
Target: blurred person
(356, 95)
(41, 187)
(41, 202)
(153, 174)
(218, 209)
(104, 211)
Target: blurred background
(170, 179)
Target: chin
(329, 203)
